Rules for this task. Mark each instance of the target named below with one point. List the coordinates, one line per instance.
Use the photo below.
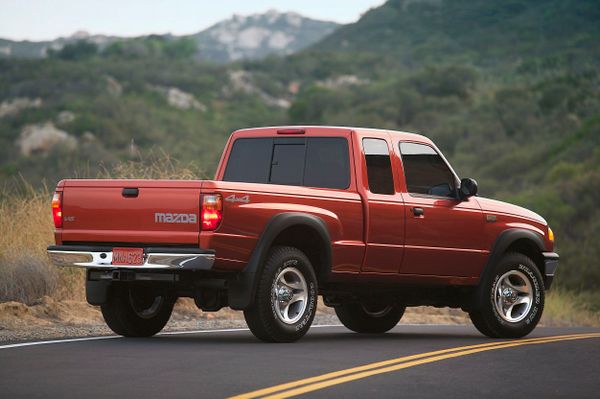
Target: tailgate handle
(131, 192)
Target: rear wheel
(511, 299)
(286, 297)
(369, 318)
(134, 311)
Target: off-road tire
(124, 311)
(486, 317)
(358, 318)
(262, 317)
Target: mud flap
(96, 292)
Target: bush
(79, 50)
(26, 278)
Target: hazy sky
(48, 19)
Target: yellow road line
(342, 376)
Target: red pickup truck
(372, 220)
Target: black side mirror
(468, 188)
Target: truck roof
(315, 129)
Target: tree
(78, 50)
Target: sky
(49, 19)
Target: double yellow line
(306, 385)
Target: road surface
(429, 361)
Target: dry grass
(565, 308)
(156, 165)
(25, 232)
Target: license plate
(128, 256)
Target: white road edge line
(64, 341)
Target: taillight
(212, 211)
(57, 214)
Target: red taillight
(57, 214)
(212, 211)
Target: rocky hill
(258, 35)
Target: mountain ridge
(238, 37)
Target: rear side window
(312, 162)
(327, 163)
(426, 172)
(379, 167)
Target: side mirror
(468, 188)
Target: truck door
(443, 234)
(385, 211)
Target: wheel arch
(304, 231)
(522, 241)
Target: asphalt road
(229, 363)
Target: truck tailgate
(131, 211)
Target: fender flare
(503, 241)
(241, 290)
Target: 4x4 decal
(233, 199)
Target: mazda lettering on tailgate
(187, 218)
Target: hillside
(239, 37)
(473, 76)
(481, 31)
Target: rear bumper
(550, 266)
(155, 258)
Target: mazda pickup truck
(371, 220)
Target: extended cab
(372, 220)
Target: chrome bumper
(154, 258)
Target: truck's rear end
(139, 241)
(132, 224)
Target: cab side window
(426, 172)
(379, 167)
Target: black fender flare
(502, 243)
(241, 290)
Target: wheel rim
(289, 295)
(513, 296)
(145, 306)
(377, 311)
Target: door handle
(417, 211)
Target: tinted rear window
(287, 166)
(249, 161)
(313, 162)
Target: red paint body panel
(373, 236)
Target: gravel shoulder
(51, 319)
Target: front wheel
(135, 311)
(369, 318)
(511, 299)
(286, 297)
